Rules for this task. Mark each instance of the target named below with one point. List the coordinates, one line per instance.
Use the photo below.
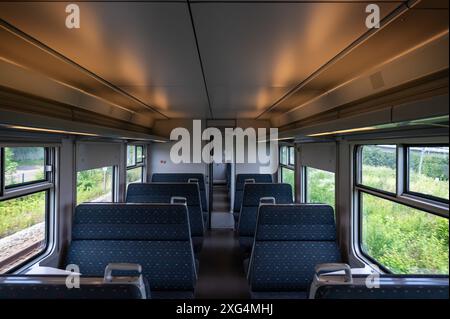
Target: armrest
(193, 180)
(178, 200)
(137, 280)
(321, 279)
(332, 267)
(108, 277)
(267, 200)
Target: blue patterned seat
(252, 195)
(239, 187)
(156, 236)
(184, 178)
(390, 287)
(290, 241)
(54, 287)
(163, 192)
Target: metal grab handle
(108, 277)
(178, 200)
(249, 181)
(267, 200)
(193, 180)
(332, 267)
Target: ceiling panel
(249, 48)
(148, 49)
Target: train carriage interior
(224, 150)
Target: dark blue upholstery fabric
(130, 222)
(183, 178)
(259, 178)
(167, 265)
(290, 241)
(54, 287)
(252, 194)
(239, 187)
(288, 265)
(163, 192)
(390, 287)
(296, 222)
(155, 236)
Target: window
(379, 163)
(287, 166)
(24, 165)
(403, 234)
(403, 239)
(134, 175)
(135, 164)
(428, 171)
(288, 176)
(284, 155)
(27, 174)
(95, 185)
(320, 186)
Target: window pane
(320, 186)
(379, 164)
(95, 185)
(22, 229)
(131, 157)
(24, 165)
(291, 156)
(139, 154)
(283, 155)
(403, 239)
(288, 176)
(428, 171)
(134, 175)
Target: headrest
(254, 192)
(179, 178)
(259, 178)
(119, 221)
(297, 222)
(163, 192)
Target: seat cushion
(167, 265)
(288, 266)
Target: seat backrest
(282, 193)
(290, 240)
(54, 287)
(239, 187)
(184, 178)
(163, 192)
(388, 287)
(155, 236)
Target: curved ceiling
(200, 59)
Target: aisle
(221, 273)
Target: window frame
(46, 186)
(114, 183)
(288, 165)
(401, 197)
(47, 175)
(359, 171)
(137, 164)
(305, 185)
(406, 181)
